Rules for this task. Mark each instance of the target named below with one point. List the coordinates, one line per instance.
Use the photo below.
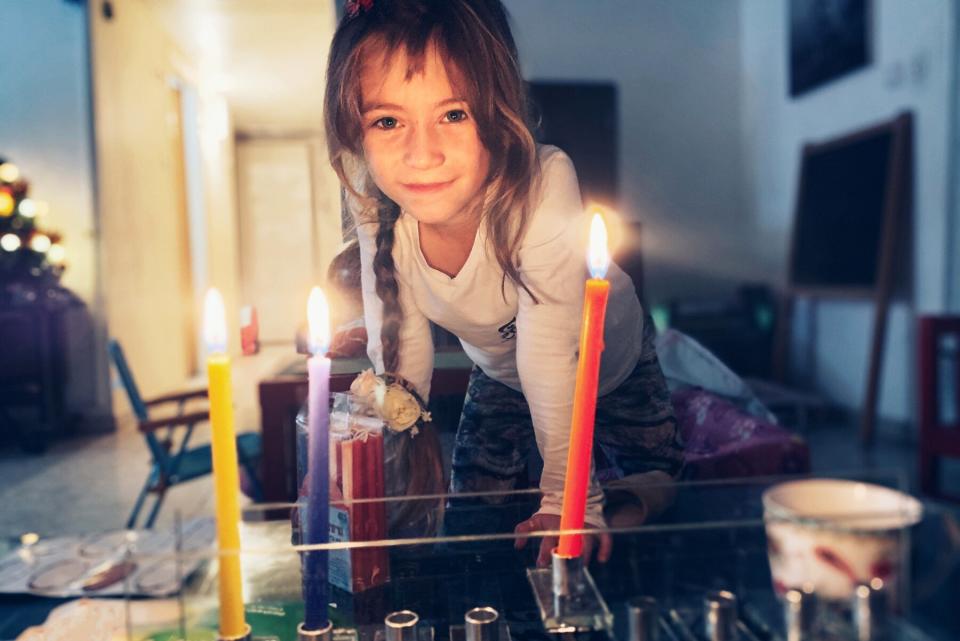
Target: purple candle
(316, 587)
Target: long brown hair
(473, 38)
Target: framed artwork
(828, 39)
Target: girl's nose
(423, 149)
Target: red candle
(585, 395)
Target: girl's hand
(539, 522)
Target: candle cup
(720, 616)
(401, 626)
(567, 574)
(800, 613)
(247, 635)
(643, 618)
(870, 611)
(568, 598)
(482, 624)
(323, 634)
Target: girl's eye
(456, 115)
(387, 122)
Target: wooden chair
(939, 398)
(168, 440)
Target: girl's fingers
(522, 528)
(546, 548)
(550, 542)
(587, 549)
(606, 547)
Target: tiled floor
(88, 484)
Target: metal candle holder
(568, 598)
(482, 624)
(401, 626)
(247, 635)
(720, 616)
(800, 613)
(643, 618)
(870, 611)
(323, 634)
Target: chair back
(157, 450)
(126, 377)
(938, 391)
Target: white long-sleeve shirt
(529, 347)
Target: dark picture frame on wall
(582, 119)
(828, 40)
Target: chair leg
(156, 508)
(251, 470)
(132, 521)
(929, 472)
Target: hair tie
(393, 399)
(354, 7)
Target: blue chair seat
(198, 461)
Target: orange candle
(580, 452)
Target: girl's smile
(427, 188)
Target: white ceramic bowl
(834, 534)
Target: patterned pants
(635, 430)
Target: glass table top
(712, 536)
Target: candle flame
(214, 322)
(598, 258)
(318, 320)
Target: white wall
(45, 129)
(911, 70)
(145, 201)
(677, 66)
(953, 250)
(285, 183)
(710, 143)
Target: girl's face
(420, 139)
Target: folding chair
(168, 440)
(939, 400)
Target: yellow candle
(225, 475)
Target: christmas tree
(29, 256)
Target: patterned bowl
(835, 534)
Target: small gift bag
(356, 454)
(356, 473)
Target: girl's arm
(553, 265)
(416, 342)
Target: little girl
(463, 220)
